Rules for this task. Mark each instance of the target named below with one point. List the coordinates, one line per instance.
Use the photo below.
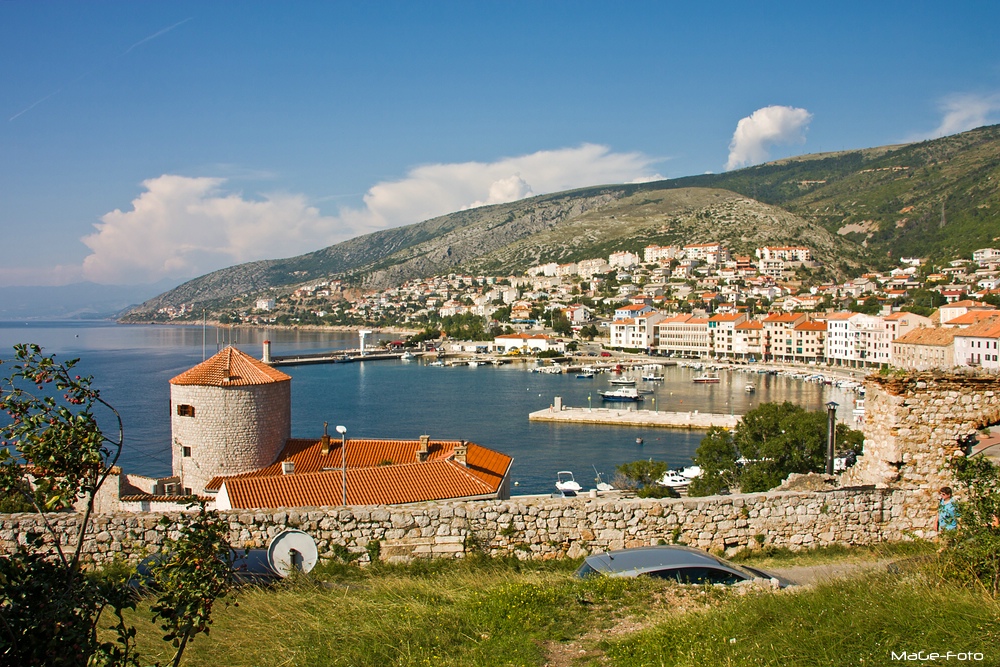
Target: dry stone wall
(539, 527)
(914, 423)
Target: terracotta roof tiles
(230, 368)
(379, 472)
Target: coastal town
(692, 301)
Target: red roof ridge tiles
(230, 368)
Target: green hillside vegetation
(936, 199)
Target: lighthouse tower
(230, 414)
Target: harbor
(627, 416)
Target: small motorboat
(621, 394)
(749, 388)
(706, 379)
(652, 377)
(674, 480)
(407, 356)
(565, 482)
(586, 375)
(622, 382)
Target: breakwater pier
(628, 416)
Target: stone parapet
(531, 527)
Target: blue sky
(153, 140)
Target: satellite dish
(292, 550)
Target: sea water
(132, 366)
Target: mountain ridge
(849, 206)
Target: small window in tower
(185, 411)
(186, 451)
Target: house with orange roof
(683, 335)
(809, 342)
(722, 333)
(638, 333)
(977, 345)
(632, 310)
(526, 343)
(778, 339)
(325, 472)
(748, 340)
(924, 349)
(232, 447)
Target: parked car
(685, 565)
(605, 354)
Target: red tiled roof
(928, 336)
(972, 317)
(783, 317)
(726, 317)
(378, 472)
(989, 328)
(753, 324)
(230, 368)
(811, 326)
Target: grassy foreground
(487, 612)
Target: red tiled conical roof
(230, 368)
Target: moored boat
(622, 382)
(706, 379)
(566, 483)
(622, 394)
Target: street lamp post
(831, 435)
(342, 430)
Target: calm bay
(133, 364)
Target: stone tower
(230, 414)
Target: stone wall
(541, 527)
(914, 423)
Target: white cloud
(766, 127)
(964, 112)
(181, 226)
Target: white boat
(652, 377)
(622, 382)
(600, 483)
(674, 480)
(565, 482)
(473, 363)
(436, 363)
(749, 388)
(622, 394)
(691, 472)
(706, 379)
(585, 375)
(407, 356)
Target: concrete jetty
(628, 416)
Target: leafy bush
(974, 548)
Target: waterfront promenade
(627, 416)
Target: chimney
(423, 449)
(461, 453)
(325, 440)
(287, 467)
(266, 358)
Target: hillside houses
(691, 300)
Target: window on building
(186, 451)
(185, 411)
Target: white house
(526, 343)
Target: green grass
(781, 557)
(506, 612)
(857, 622)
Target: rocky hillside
(936, 198)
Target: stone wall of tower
(914, 423)
(232, 430)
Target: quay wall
(533, 527)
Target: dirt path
(804, 575)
